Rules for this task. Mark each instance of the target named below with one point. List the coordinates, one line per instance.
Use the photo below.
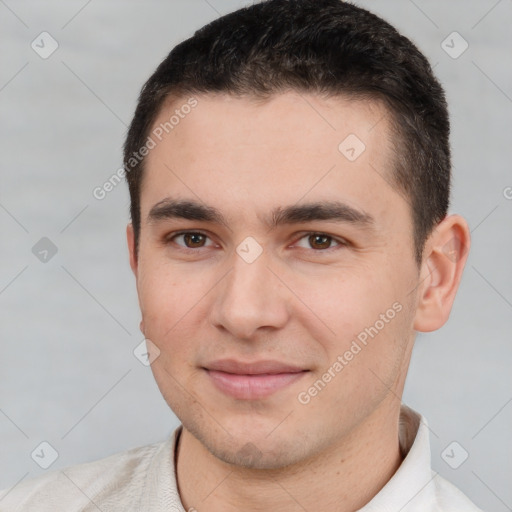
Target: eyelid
(342, 242)
(170, 238)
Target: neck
(343, 478)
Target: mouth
(252, 381)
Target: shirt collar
(412, 487)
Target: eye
(319, 241)
(190, 240)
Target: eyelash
(341, 242)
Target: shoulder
(119, 476)
(450, 498)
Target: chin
(251, 448)
(252, 456)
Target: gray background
(69, 325)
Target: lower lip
(251, 387)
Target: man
(289, 174)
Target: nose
(250, 299)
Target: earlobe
(445, 255)
(130, 238)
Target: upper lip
(252, 368)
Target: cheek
(361, 315)
(346, 300)
(170, 300)
(167, 292)
(170, 303)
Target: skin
(298, 302)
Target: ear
(130, 237)
(444, 257)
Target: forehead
(290, 118)
(278, 150)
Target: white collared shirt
(144, 479)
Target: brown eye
(194, 240)
(318, 241)
(190, 240)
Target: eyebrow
(334, 211)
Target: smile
(253, 386)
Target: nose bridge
(250, 298)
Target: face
(268, 236)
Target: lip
(254, 380)
(266, 366)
